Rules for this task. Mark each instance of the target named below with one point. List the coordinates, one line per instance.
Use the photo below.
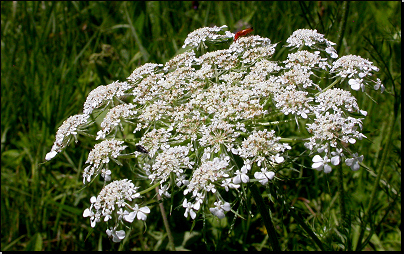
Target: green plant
(54, 53)
(203, 125)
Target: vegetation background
(54, 53)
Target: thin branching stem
(266, 217)
(165, 220)
(341, 28)
(379, 171)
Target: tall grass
(54, 53)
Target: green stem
(266, 217)
(345, 223)
(275, 122)
(307, 229)
(149, 189)
(341, 194)
(341, 28)
(379, 171)
(329, 87)
(292, 140)
(166, 225)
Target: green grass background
(54, 53)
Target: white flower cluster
(357, 70)
(63, 136)
(172, 160)
(100, 156)
(113, 118)
(262, 146)
(311, 38)
(199, 36)
(114, 202)
(104, 94)
(191, 120)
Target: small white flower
(218, 211)
(241, 175)
(227, 184)
(188, 209)
(141, 212)
(163, 190)
(198, 201)
(379, 85)
(321, 163)
(264, 176)
(121, 213)
(354, 162)
(117, 236)
(356, 84)
(129, 217)
(50, 155)
(336, 157)
(278, 159)
(88, 212)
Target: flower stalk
(266, 217)
(372, 197)
(165, 220)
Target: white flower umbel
(143, 71)
(205, 179)
(104, 94)
(186, 59)
(155, 139)
(100, 156)
(199, 36)
(115, 203)
(63, 136)
(244, 44)
(356, 69)
(218, 133)
(297, 77)
(333, 129)
(292, 101)
(306, 60)
(254, 54)
(336, 99)
(262, 146)
(223, 59)
(146, 90)
(208, 173)
(195, 118)
(171, 162)
(313, 39)
(113, 118)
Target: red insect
(243, 33)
